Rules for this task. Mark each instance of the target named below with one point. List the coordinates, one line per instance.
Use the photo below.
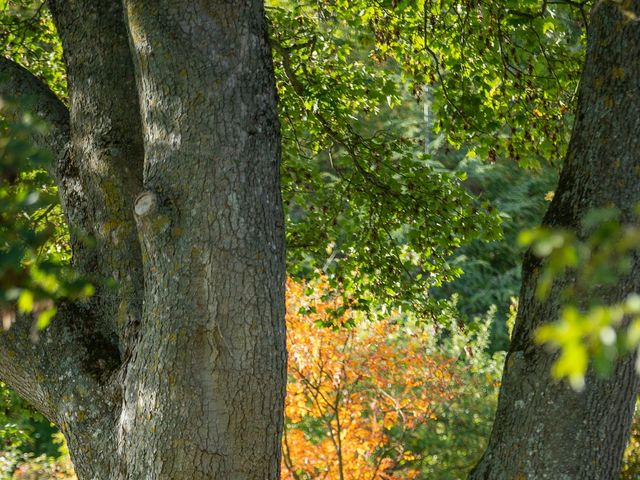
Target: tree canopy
(366, 206)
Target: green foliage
(450, 446)
(34, 266)
(28, 36)
(24, 432)
(492, 270)
(589, 326)
(365, 208)
(34, 253)
(503, 75)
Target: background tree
(355, 394)
(538, 417)
(382, 400)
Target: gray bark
(211, 226)
(168, 161)
(543, 429)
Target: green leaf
(25, 301)
(45, 317)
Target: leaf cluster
(584, 269)
(366, 208)
(34, 252)
(372, 400)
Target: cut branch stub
(152, 219)
(146, 204)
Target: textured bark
(168, 163)
(544, 430)
(208, 374)
(105, 171)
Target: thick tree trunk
(205, 388)
(168, 159)
(543, 429)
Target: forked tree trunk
(543, 429)
(169, 160)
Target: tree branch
(107, 154)
(98, 172)
(18, 83)
(19, 369)
(35, 368)
(60, 370)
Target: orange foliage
(354, 392)
(41, 468)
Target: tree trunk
(168, 159)
(543, 429)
